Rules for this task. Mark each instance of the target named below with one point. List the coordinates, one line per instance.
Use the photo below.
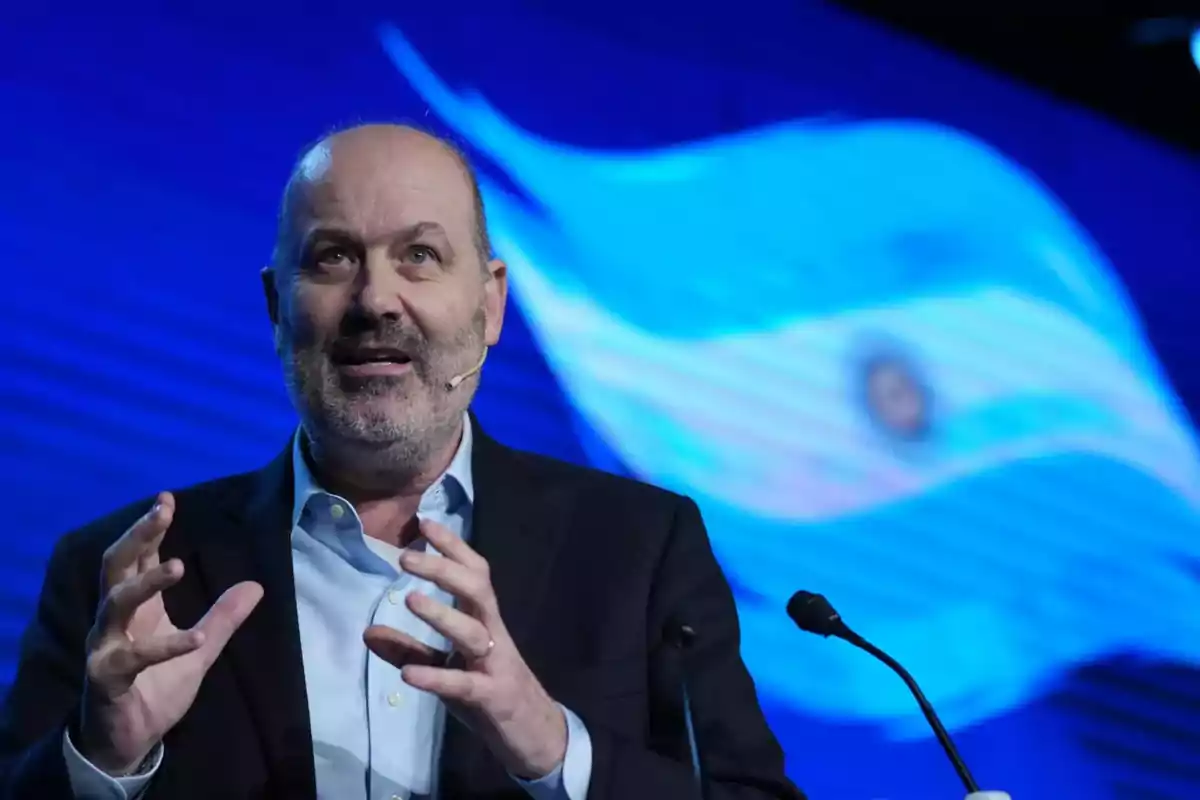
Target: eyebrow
(420, 229)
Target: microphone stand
(931, 716)
(681, 638)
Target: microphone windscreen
(813, 613)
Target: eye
(332, 255)
(331, 258)
(422, 254)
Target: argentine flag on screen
(715, 312)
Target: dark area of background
(1134, 68)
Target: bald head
(368, 153)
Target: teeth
(376, 360)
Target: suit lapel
(517, 525)
(265, 653)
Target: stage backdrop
(883, 315)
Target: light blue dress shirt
(374, 737)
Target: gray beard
(347, 428)
(400, 459)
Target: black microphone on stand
(680, 637)
(813, 613)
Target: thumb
(226, 616)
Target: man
(397, 606)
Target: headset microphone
(454, 382)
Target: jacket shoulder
(89, 541)
(594, 486)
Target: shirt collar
(458, 473)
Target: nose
(379, 293)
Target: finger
(117, 667)
(469, 585)
(226, 616)
(467, 634)
(134, 657)
(142, 539)
(128, 596)
(399, 649)
(469, 688)
(452, 546)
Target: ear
(495, 289)
(271, 294)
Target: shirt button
(337, 510)
(394, 699)
(393, 597)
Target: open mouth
(366, 362)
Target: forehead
(374, 185)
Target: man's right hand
(142, 671)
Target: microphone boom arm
(939, 730)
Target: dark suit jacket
(589, 569)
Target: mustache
(392, 336)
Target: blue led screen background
(913, 336)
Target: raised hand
(142, 671)
(486, 683)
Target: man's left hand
(485, 684)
